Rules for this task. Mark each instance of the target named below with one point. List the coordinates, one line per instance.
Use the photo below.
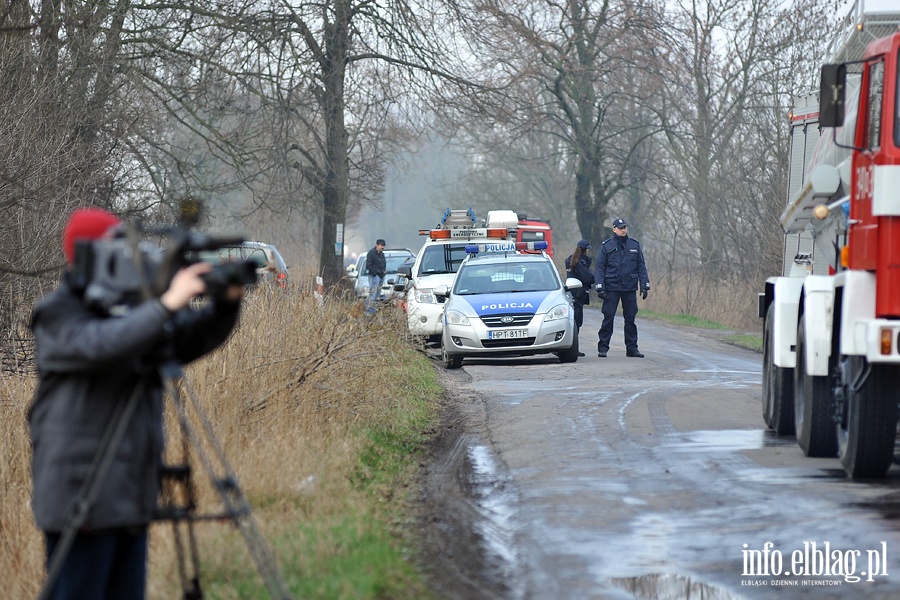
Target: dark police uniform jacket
(620, 265)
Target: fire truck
(522, 228)
(831, 362)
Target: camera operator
(90, 365)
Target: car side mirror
(831, 95)
(405, 270)
(442, 290)
(573, 283)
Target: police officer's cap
(620, 223)
(584, 244)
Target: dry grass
(734, 306)
(288, 396)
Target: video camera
(126, 270)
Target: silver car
(270, 265)
(506, 304)
(394, 257)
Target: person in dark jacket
(578, 265)
(376, 267)
(620, 273)
(89, 365)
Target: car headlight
(424, 296)
(454, 317)
(560, 311)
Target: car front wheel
(451, 361)
(570, 355)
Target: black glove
(644, 294)
(601, 293)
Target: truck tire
(570, 355)
(451, 361)
(777, 386)
(813, 406)
(868, 423)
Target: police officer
(619, 274)
(578, 265)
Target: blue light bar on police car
(504, 247)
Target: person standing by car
(578, 265)
(96, 421)
(376, 267)
(620, 273)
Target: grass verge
(351, 542)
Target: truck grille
(517, 320)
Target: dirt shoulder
(451, 552)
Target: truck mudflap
(783, 295)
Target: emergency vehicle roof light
(464, 233)
(503, 247)
(531, 245)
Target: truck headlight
(454, 317)
(424, 296)
(560, 311)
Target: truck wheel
(813, 408)
(777, 386)
(451, 361)
(570, 355)
(868, 423)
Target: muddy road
(643, 478)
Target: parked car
(394, 257)
(270, 265)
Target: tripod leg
(221, 475)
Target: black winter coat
(376, 263)
(581, 271)
(87, 365)
(620, 265)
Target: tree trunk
(335, 195)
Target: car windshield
(233, 254)
(506, 277)
(394, 262)
(441, 258)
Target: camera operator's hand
(186, 285)
(234, 293)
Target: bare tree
(723, 66)
(566, 68)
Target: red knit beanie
(86, 224)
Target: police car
(503, 303)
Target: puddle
(662, 586)
(723, 440)
(492, 493)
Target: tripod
(179, 492)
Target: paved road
(655, 478)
